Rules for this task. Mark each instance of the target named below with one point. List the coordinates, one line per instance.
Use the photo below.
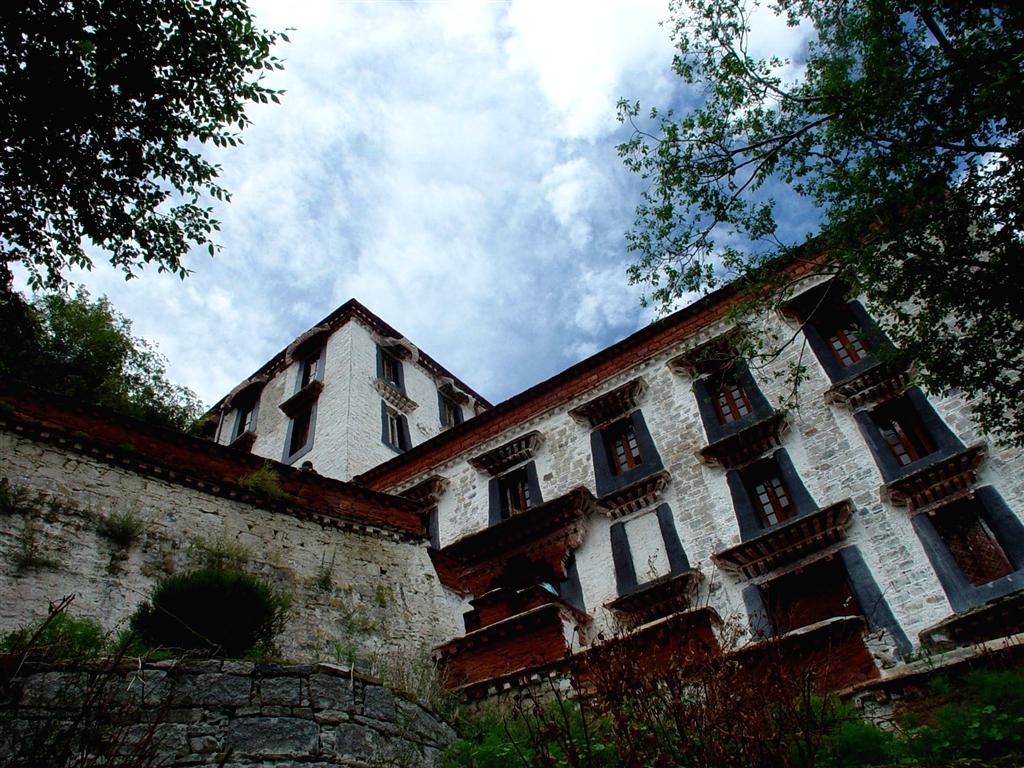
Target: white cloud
(451, 165)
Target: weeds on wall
(324, 579)
(219, 553)
(14, 499)
(29, 555)
(122, 528)
(265, 482)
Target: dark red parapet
(176, 457)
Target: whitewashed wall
(347, 430)
(383, 598)
(826, 448)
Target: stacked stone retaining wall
(232, 714)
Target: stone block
(330, 692)
(274, 737)
(212, 690)
(282, 691)
(379, 703)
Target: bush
(220, 612)
(61, 638)
(264, 481)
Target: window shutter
(622, 558)
(677, 559)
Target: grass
(219, 553)
(265, 482)
(28, 555)
(121, 528)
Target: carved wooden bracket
(427, 492)
(635, 496)
(747, 445)
(880, 381)
(611, 405)
(788, 542)
(497, 460)
(937, 482)
(661, 597)
(394, 397)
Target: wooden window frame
(514, 492)
(964, 530)
(621, 436)
(903, 431)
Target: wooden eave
(305, 396)
(312, 339)
(1000, 617)
(547, 533)
(611, 405)
(939, 481)
(249, 387)
(497, 460)
(636, 496)
(513, 628)
(244, 441)
(394, 397)
(885, 379)
(427, 492)
(658, 598)
(710, 355)
(788, 542)
(748, 444)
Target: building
(657, 488)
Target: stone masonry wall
(239, 714)
(357, 591)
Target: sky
(451, 165)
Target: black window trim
(495, 508)
(622, 555)
(823, 351)
(291, 458)
(747, 516)
(605, 479)
(946, 442)
(443, 400)
(759, 406)
(399, 368)
(1008, 531)
(403, 426)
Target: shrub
(58, 638)
(14, 499)
(121, 528)
(265, 482)
(221, 612)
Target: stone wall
(236, 714)
(357, 589)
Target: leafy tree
(84, 349)
(904, 129)
(104, 108)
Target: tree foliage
(83, 348)
(903, 128)
(105, 106)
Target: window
(390, 369)
(903, 431)
(971, 542)
(309, 369)
(623, 453)
(245, 419)
(300, 433)
(632, 569)
(767, 493)
(514, 490)
(731, 401)
(451, 412)
(771, 499)
(623, 448)
(394, 428)
(843, 334)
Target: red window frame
(514, 488)
(622, 446)
(903, 431)
(731, 401)
(771, 499)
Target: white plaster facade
(822, 440)
(346, 430)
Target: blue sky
(451, 165)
